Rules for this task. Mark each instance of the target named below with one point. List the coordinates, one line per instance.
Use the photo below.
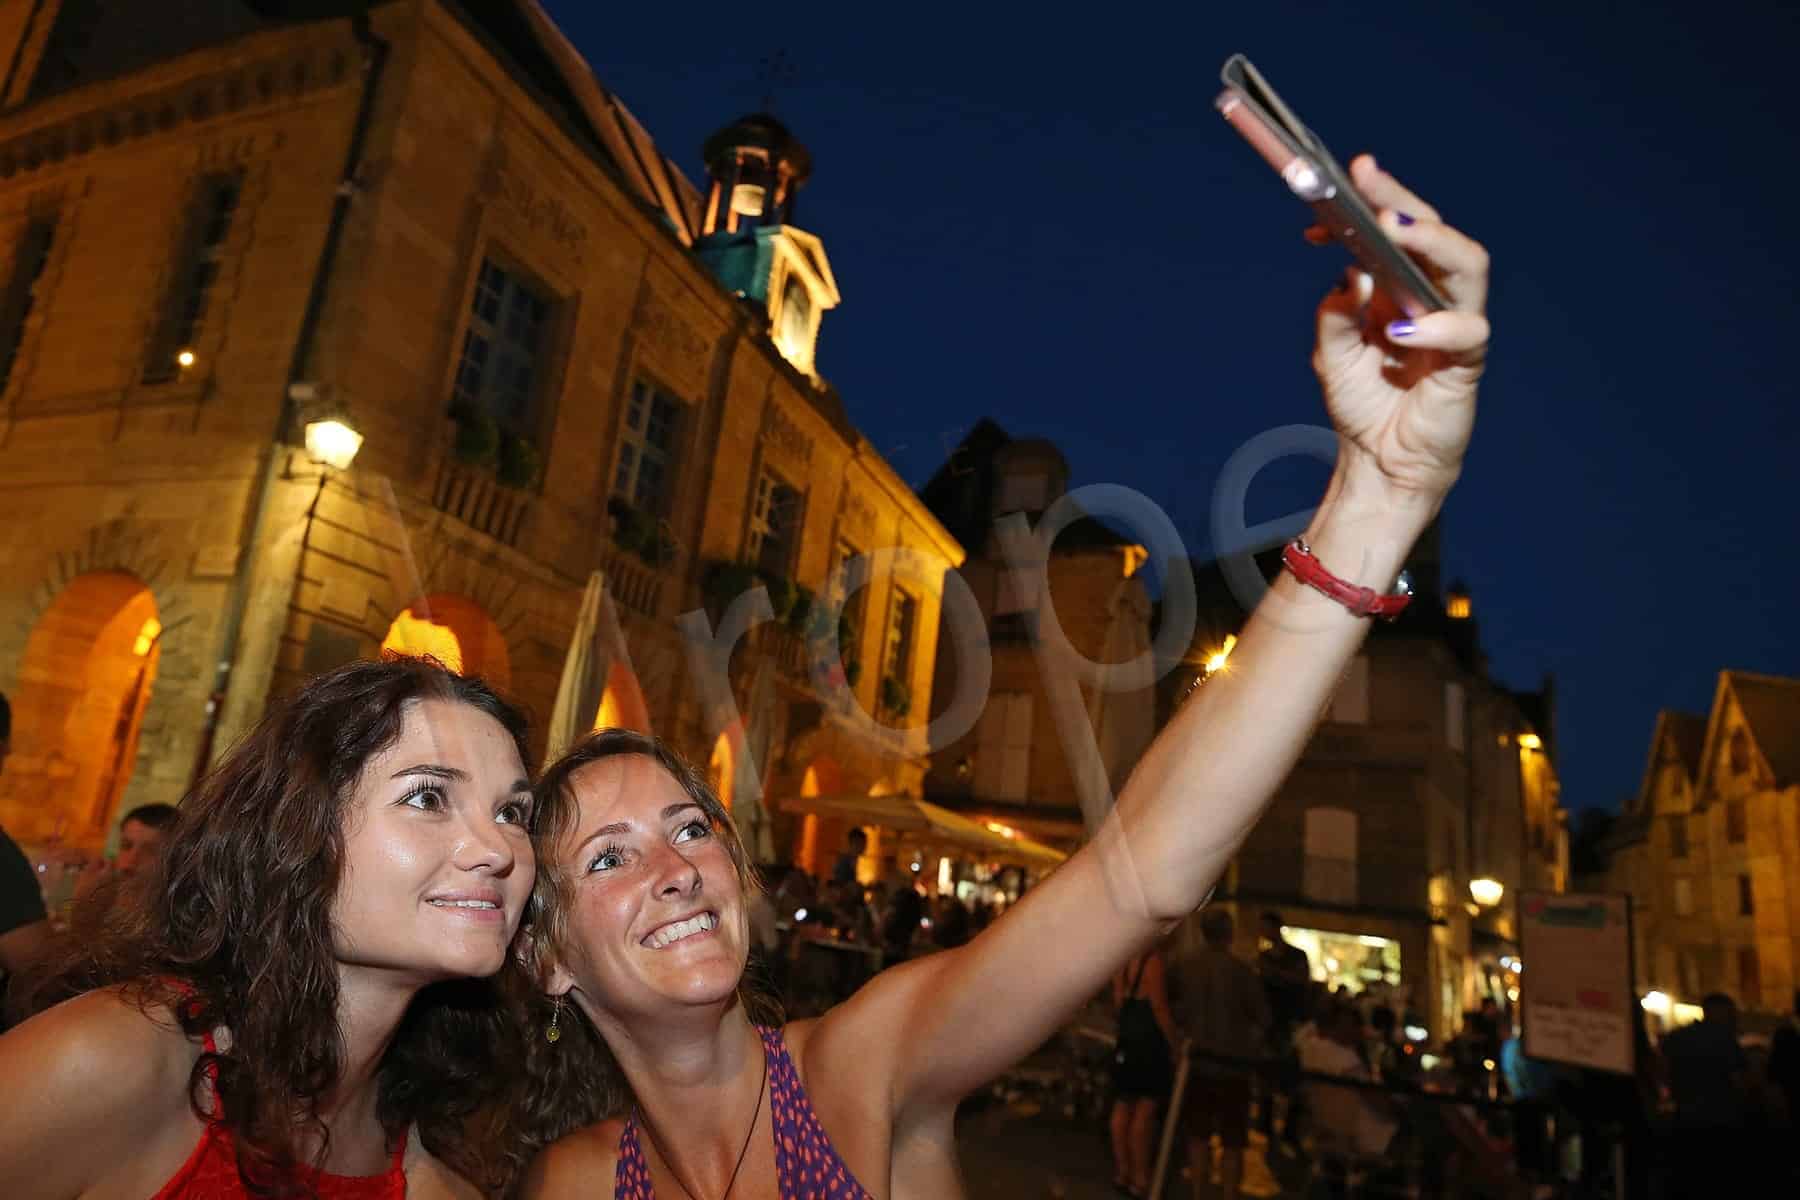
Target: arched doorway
(822, 778)
(457, 632)
(622, 705)
(721, 768)
(84, 681)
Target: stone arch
(822, 777)
(140, 549)
(622, 704)
(84, 685)
(456, 631)
(438, 564)
(721, 765)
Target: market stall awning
(933, 827)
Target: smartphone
(1255, 111)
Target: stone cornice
(255, 74)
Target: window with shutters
(199, 258)
(500, 372)
(1328, 865)
(897, 663)
(645, 474)
(1737, 825)
(21, 298)
(775, 512)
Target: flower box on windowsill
(639, 533)
(896, 697)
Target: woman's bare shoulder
(108, 1036)
(578, 1164)
(109, 1078)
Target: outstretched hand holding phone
(1401, 390)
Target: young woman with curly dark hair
(303, 1005)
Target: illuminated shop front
(1353, 961)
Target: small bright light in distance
(185, 358)
(799, 914)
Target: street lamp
(1530, 741)
(1486, 892)
(332, 443)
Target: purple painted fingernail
(1403, 218)
(1400, 329)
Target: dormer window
(795, 326)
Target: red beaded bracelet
(1298, 557)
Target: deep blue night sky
(1044, 221)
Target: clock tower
(748, 238)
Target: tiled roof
(1771, 708)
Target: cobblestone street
(1013, 1152)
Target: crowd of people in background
(1702, 1115)
(1262, 1036)
(29, 929)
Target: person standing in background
(1286, 974)
(1221, 1008)
(141, 837)
(24, 925)
(1143, 1067)
(857, 845)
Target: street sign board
(1575, 986)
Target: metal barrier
(1451, 1121)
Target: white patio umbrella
(595, 645)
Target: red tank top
(210, 1172)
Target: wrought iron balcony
(475, 497)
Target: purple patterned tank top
(806, 1166)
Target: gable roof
(1685, 734)
(1771, 707)
(647, 173)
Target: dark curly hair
(575, 1081)
(235, 929)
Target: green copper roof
(741, 261)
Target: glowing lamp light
(1656, 1002)
(185, 359)
(1219, 658)
(1417, 1033)
(1486, 892)
(799, 914)
(1530, 741)
(332, 443)
(1005, 831)
(1459, 608)
(1487, 1064)
(146, 637)
(747, 199)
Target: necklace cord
(743, 1151)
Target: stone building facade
(1044, 735)
(1424, 775)
(1708, 849)
(221, 223)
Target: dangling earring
(554, 1031)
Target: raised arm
(1402, 397)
